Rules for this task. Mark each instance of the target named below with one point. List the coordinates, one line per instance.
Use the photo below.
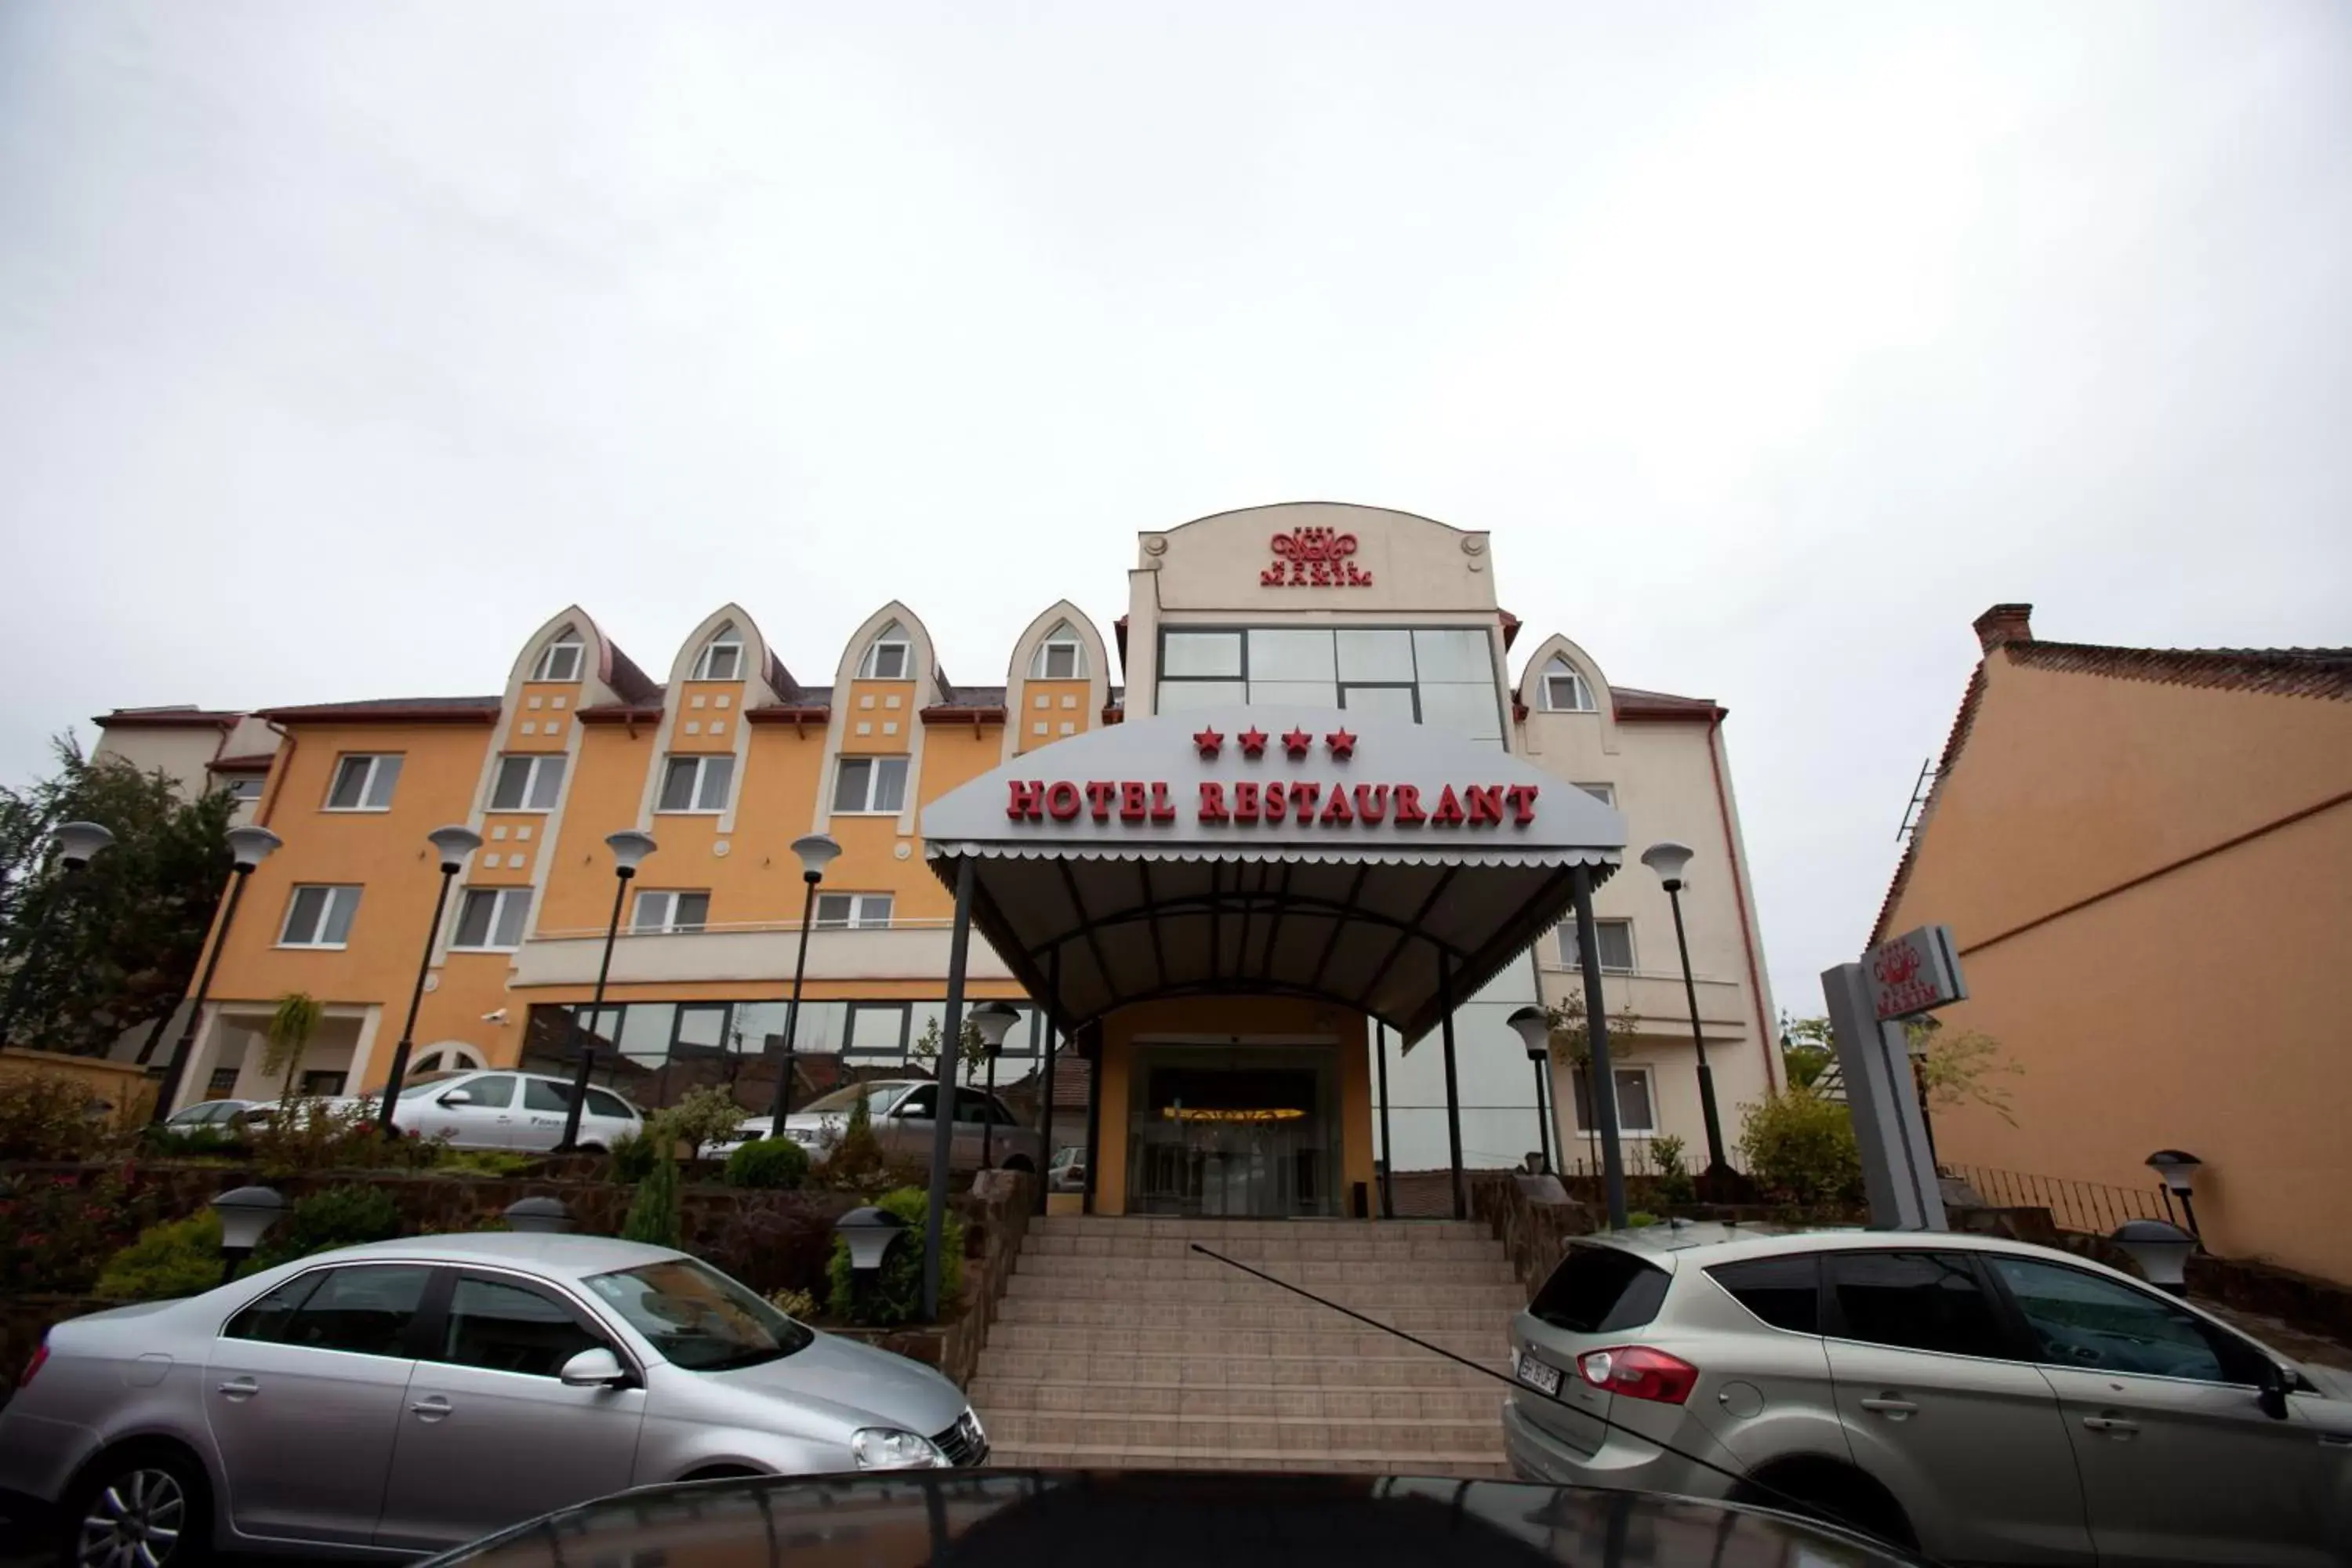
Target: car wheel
(140, 1508)
(1835, 1494)
(1021, 1162)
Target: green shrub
(1641, 1219)
(313, 1135)
(795, 1304)
(192, 1144)
(178, 1257)
(48, 1116)
(768, 1163)
(1674, 1182)
(56, 1231)
(1801, 1148)
(485, 1161)
(701, 1117)
(653, 1212)
(631, 1158)
(343, 1215)
(896, 1293)
(855, 1162)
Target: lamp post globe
(245, 1216)
(2162, 1250)
(78, 842)
(1533, 1026)
(249, 846)
(816, 851)
(2178, 1168)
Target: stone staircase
(1117, 1346)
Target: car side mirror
(2270, 1393)
(593, 1368)
(458, 1097)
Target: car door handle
(432, 1407)
(2113, 1425)
(1891, 1407)
(240, 1388)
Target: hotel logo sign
(1314, 558)
(1916, 973)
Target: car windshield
(696, 1317)
(425, 1084)
(841, 1100)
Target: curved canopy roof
(1300, 851)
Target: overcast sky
(341, 344)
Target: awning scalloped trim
(1561, 855)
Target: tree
(115, 946)
(926, 1048)
(1571, 1046)
(291, 1024)
(1956, 1069)
(1805, 1049)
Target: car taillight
(40, 1354)
(1639, 1372)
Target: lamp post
(248, 848)
(245, 1216)
(816, 852)
(1534, 1026)
(2179, 1169)
(78, 842)
(454, 844)
(1668, 860)
(994, 1020)
(629, 849)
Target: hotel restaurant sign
(1916, 973)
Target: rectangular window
(1605, 794)
(319, 916)
(670, 911)
(852, 912)
(1443, 676)
(502, 1326)
(1635, 1112)
(870, 785)
(696, 783)
(559, 661)
(876, 1028)
(1613, 938)
(322, 1083)
(248, 788)
(1913, 1301)
(527, 783)
(701, 1026)
(1189, 696)
(1382, 658)
(1287, 654)
(1201, 654)
(363, 783)
(222, 1084)
(491, 918)
(1454, 654)
(1059, 661)
(719, 662)
(1393, 703)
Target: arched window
(1061, 657)
(890, 657)
(1565, 690)
(446, 1059)
(722, 655)
(560, 660)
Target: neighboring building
(729, 757)
(2145, 855)
(201, 749)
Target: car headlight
(888, 1448)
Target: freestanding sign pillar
(1604, 1076)
(1868, 1001)
(943, 1113)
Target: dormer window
(722, 656)
(1061, 657)
(890, 657)
(560, 660)
(1565, 690)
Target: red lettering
(1026, 796)
(1099, 793)
(1246, 802)
(1163, 810)
(1407, 806)
(1485, 803)
(1062, 800)
(1335, 805)
(1448, 811)
(1130, 801)
(1273, 799)
(1212, 800)
(1371, 803)
(1302, 800)
(1523, 802)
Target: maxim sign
(1314, 558)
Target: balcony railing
(2091, 1208)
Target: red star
(1208, 740)
(1253, 742)
(1296, 742)
(1342, 744)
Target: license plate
(1537, 1376)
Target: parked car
(490, 1109)
(1987, 1400)
(223, 1116)
(903, 1112)
(407, 1396)
(1068, 1174)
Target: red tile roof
(189, 717)
(391, 710)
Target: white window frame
(375, 776)
(872, 777)
(662, 905)
(534, 763)
(499, 899)
(892, 635)
(1567, 954)
(1580, 691)
(1061, 637)
(544, 669)
(726, 641)
(1621, 1069)
(863, 914)
(703, 761)
(339, 894)
(1606, 794)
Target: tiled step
(1016, 1365)
(1287, 1313)
(995, 1396)
(1206, 1226)
(1483, 1268)
(1265, 1243)
(1363, 1295)
(1303, 1436)
(1105, 1346)
(1255, 1462)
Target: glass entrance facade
(1239, 1131)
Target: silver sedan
(406, 1396)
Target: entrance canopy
(1382, 866)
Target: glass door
(1244, 1133)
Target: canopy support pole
(1453, 1088)
(1387, 1147)
(1596, 1022)
(1094, 1117)
(1046, 1110)
(943, 1116)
